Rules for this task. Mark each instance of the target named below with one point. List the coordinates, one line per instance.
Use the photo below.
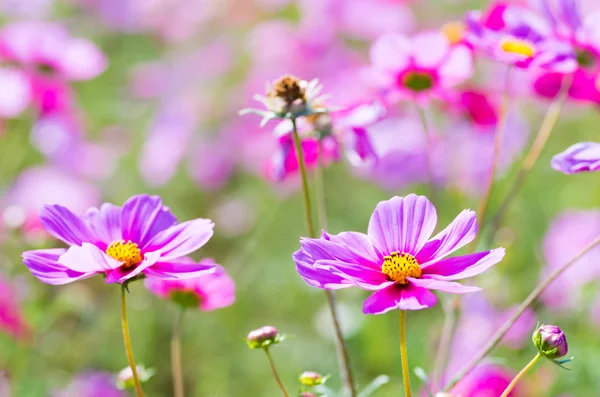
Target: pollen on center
(517, 46)
(398, 266)
(126, 252)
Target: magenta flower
(397, 257)
(207, 292)
(518, 36)
(11, 317)
(142, 237)
(486, 380)
(581, 157)
(92, 384)
(420, 67)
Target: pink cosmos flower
(420, 67)
(11, 317)
(397, 257)
(517, 36)
(582, 32)
(142, 237)
(581, 157)
(92, 384)
(208, 292)
(486, 380)
(16, 93)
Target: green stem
(532, 156)
(320, 193)
(341, 347)
(429, 143)
(275, 374)
(497, 337)
(176, 368)
(514, 382)
(498, 140)
(127, 340)
(404, 355)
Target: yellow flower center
(454, 31)
(126, 252)
(397, 266)
(517, 46)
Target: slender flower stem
(532, 156)
(275, 374)
(176, 370)
(514, 382)
(498, 140)
(404, 355)
(342, 349)
(429, 143)
(497, 337)
(127, 340)
(320, 193)
(304, 175)
(448, 329)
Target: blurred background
(142, 96)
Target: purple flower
(397, 258)
(485, 380)
(207, 292)
(420, 67)
(142, 237)
(518, 36)
(92, 384)
(581, 157)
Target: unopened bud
(308, 394)
(125, 377)
(550, 341)
(311, 378)
(263, 337)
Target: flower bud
(308, 394)
(550, 341)
(263, 337)
(125, 377)
(311, 379)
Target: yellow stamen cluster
(454, 31)
(398, 266)
(517, 46)
(126, 252)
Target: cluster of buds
(551, 342)
(264, 337)
(308, 380)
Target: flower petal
(391, 52)
(402, 224)
(44, 265)
(63, 224)
(350, 248)
(143, 217)
(358, 243)
(182, 239)
(445, 286)
(466, 266)
(320, 278)
(105, 224)
(461, 231)
(457, 67)
(408, 297)
(88, 258)
(181, 270)
(429, 48)
(120, 274)
(361, 276)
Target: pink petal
(105, 223)
(82, 60)
(180, 271)
(121, 275)
(63, 224)
(457, 68)
(143, 217)
(460, 267)
(15, 94)
(182, 239)
(408, 297)
(357, 242)
(334, 247)
(362, 276)
(391, 52)
(320, 278)
(461, 231)
(430, 48)
(402, 224)
(44, 265)
(88, 258)
(445, 286)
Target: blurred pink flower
(486, 380)
(580, 157)
(212, 162)
(15, 94)
(208, 292)
(92, 384)
(568, 234)
(420, 67)
(12, 321)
